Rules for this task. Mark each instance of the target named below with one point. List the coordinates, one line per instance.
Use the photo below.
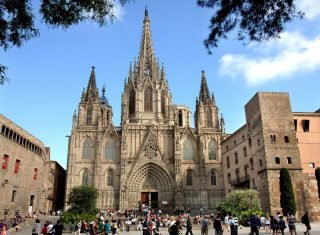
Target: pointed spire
(162, 72)
(204, 94)
(222, 124)
(92, 92)
(74, 120)
(103, 99)
(146, 54)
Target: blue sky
(49, 72)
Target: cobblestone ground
(164, 231)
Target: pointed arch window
(163, 102)
(132, 102)
(189, 178)
(212, 149)
(209, 117)
(110, 178)
(87, 149)
(213, 177)
(89, 116)
(111, 149)
(188, 153)
(85, 177)
(148, 99)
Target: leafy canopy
(257, 20)
(241, 203)
(287, 200)
(83, 199)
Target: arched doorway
(150, 184)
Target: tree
(17, 19)
(83, 199)
(241, 203)
(257, 20)
(317, 173)
(287, 200)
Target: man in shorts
(291, 223)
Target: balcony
(241, 182)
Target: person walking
(306, 222)
(236, 225)
(57, 228)
(291, 224)
(282, 225)
(204, 226)
(254, 224)
(217, 225)
(36, 230)
(189, 226)
(274, 225)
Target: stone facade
(58, 184)
(155, 157)
(270, 141)
(24, 173)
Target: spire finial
(146, 11)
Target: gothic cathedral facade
(155, 157)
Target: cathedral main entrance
(150, 199)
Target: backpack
(303, 220)
(205, 223)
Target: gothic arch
(84, 175)
(189, 150)
(148, 99)
(161, 180)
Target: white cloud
(310, 7)
(278, 59)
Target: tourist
(106, 227)
(274, 225)
(291, 224)
(226, 222)
(57, 228)
(204, 225)
(282, 225)
(36, 227)
(236, 225)
(254, 224)
(189, 226)
(267, 223)
(217, 225)
(306, 222)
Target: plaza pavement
(164, 230)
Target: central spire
(147, 62)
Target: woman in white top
(36, 230)
(267, 223)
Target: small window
(243, 137)
(180, 118)
(35, 174)
(260, 162)
(227, 147)
(236, 160)
(213, 177)
(258, 142)
(244, 151)
(234, 143)
(312, 165)
(237, 175)
(273, 138)
(251, 163)
(249, 142)
(228, 162)
(306, 124)
(5, 161)
(110, 177)
(286, 139)
(229, 178)
(189, 178)
(17, 166)
(13, 196)
(295, 122)
(289, 160)
(277, 159)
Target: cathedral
(155, 157)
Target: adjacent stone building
(254, 154)
(25, 172)
(155, 157)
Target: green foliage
(287, 200)
(241, 203)
(256, 20)
(317, 173)
(71, 217)
(83, 199)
